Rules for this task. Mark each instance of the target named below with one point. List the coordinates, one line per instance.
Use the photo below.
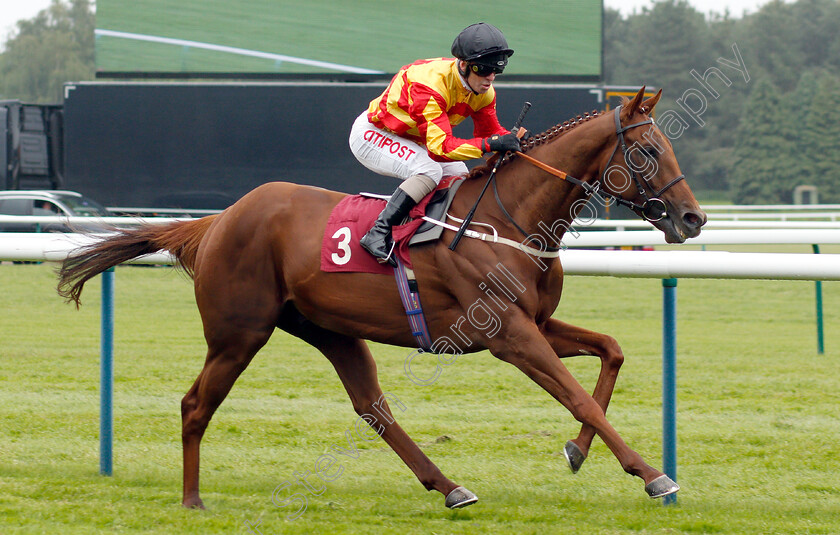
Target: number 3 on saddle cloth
(354, 216)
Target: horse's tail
(180, 238)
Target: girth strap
(410, 296)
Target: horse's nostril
(694, 219)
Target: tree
(819, 135)
(817, 24)
(800, 104)
(787, 44)
(663, 43)
(772, 39)
(615, 39)
(763, 156)
(54, 47)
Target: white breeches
(391, 155)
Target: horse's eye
(651, 152)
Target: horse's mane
(536, 140)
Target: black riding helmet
(482, 43)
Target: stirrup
(387, 258)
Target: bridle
(652, 209)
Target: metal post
(106, 369)
(820, 339)
(669, 381)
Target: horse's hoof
(193, 503)
(460, 497)
(661, 486)
(574, 456)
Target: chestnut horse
(256, 268)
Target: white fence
(628, 224)
(779, 212)
(116, 221)
(53, 247)
(702, 265)
(654, 264)
(707, 237)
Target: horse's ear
(647, 106)
(633, 106)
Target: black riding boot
(378, 239)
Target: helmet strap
(465, 73)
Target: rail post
(106, 379)
(818, 289)
(669, 382)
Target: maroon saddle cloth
(354, 216)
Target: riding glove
(501, 143)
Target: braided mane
(536, 140)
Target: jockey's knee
(418, 186)
(429, 169)
(454, 169)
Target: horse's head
(643, 170)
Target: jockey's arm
(435, 128)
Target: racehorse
(256, 268)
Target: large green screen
(561, 39)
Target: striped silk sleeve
(486, 123)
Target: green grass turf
(757, 420)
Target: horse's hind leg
(570, 341)
(356, 368)
(229, 352)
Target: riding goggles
(486, 70)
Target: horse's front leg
(524, 346)
(571, 341)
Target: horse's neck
(543, 203)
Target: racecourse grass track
(757, 408)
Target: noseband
(652, 209)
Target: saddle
(355, 214)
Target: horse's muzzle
(680, 224)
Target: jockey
(406, 132)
